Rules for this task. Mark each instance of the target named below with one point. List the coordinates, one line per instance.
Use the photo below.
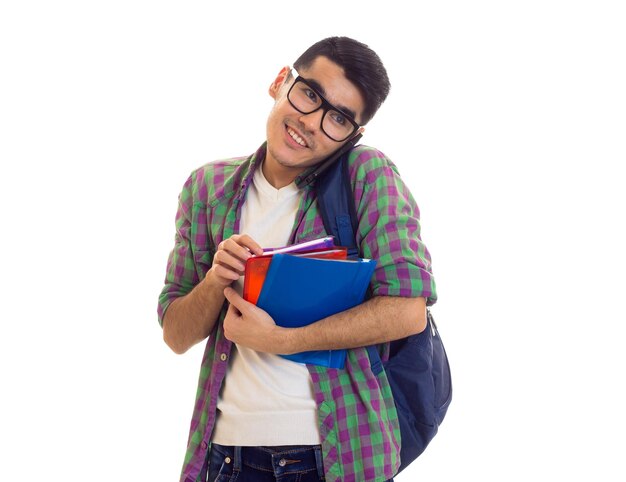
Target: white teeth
(296, 138)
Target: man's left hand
(248, 325)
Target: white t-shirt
(266, 400)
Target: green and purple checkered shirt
(358, 422)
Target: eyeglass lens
(334, 123)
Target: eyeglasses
(305, 98)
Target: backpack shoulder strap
(336, 202)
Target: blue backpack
(417, 368)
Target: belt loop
(319, 461)
(237, 457)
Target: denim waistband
(279, 460)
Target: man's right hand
(230, 258)
(190, 318)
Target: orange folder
(257, 266)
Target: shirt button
(282, 462)
(204, 445)
(227, 460)
(223, 357)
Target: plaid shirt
(358, 424)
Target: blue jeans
(266, 464)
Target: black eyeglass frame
(326, 106)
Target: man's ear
(280, 79)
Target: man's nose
(312, 121)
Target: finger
(230, 322)
(233, 311)
(235, 300)
(251, 244)
(234, 249)
(225, 273)
(227, 260)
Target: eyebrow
(316, 85)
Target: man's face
(296, 141)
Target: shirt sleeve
(181, 274)
(389, 229)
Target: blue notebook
(299, 291)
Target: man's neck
(279, 176)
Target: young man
(259, 416)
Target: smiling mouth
(299, 140)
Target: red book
(257, 266)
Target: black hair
(361, 65)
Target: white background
(507, 120)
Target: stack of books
(300, 284)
